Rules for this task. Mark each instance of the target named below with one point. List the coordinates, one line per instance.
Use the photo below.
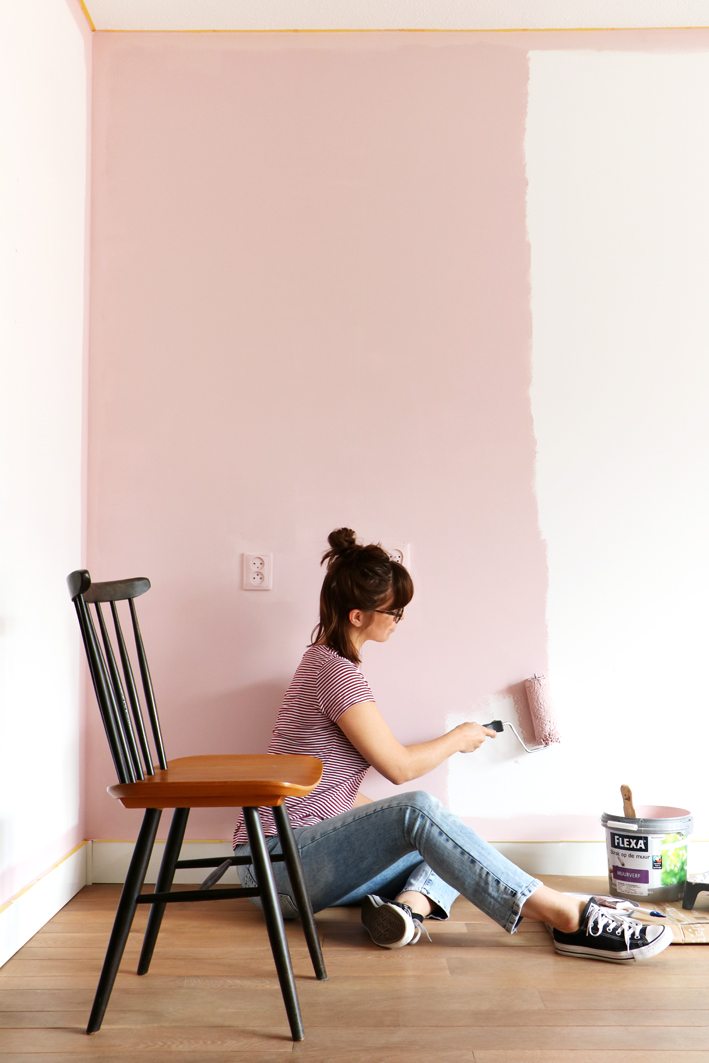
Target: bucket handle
(621, 826)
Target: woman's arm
(369, 733)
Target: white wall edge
(110, 859)
(24, 915)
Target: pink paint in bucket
(647, 854)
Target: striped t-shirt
(324, 686)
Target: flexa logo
(630, 841)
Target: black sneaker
(604, 935)
(390, 925)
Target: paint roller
(539, 705)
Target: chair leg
(274, 921)
(124, 915)
(171, 855)
(302, 899)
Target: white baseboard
(580, 858)
(557, 858)
(110, 859)
(27, 913)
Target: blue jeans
(406, 842)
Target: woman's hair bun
(341, 540)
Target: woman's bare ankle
(417, 902)
(558, 910)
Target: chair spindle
(148, 688)
(124, 720)
(132, 692)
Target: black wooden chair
(149, 781)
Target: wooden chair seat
(221, 780)
(147, 780)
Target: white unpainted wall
(43, 117)
(618, 221)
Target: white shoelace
(600, 921)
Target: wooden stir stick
(628, 807)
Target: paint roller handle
(497, 725)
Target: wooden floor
(471, 993)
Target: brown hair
(357, 577)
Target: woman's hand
(470, 736)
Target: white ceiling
(234, 15)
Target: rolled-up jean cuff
(516, 916)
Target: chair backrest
(111, 658)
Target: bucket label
(640, 864)
(630, 841)
(627, 874)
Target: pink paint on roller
(540, 714)
(543, 725)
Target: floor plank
(470, 993)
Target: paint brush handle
(628, 807)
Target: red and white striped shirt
(323, 688)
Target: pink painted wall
(310, 308)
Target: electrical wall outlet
(257, 572)
(400, 554)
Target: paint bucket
(647, 855)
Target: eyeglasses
(395, 613)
